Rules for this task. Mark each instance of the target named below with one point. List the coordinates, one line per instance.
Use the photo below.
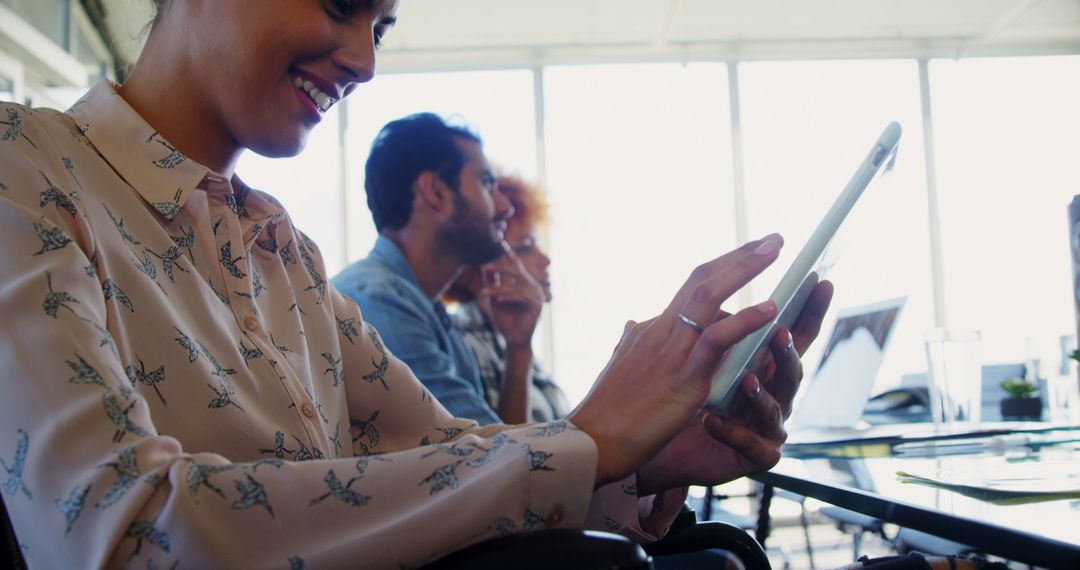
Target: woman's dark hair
(402, 151)
(159, 7)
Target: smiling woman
(260, 75)
(183, 387)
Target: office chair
(689, 535)
(564, 548)
(537, 550)
(12, 555)
(547, 549)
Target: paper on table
(1008, 490)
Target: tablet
(800, 279)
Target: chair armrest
(713, 535)
(12, 553)
(546, 549)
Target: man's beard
(470, 237)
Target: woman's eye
(340, 9)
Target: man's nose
(503, 207)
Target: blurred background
(666, 132)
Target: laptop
(834, 397)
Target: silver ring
(691, 323)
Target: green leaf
(1019, 388)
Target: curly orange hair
(530, 204)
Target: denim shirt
(416, 329)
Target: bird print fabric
(184, 388)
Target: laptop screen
(838, 391)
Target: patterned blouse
(183, 388)
(546, 400)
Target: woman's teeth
(322, 100)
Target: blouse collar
(163, 176)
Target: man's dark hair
(404, 149)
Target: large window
(640, 180)
(806, 126)
(48, 77)
(49, 17)
(11, 77)
(641, 175)
(1005, 135)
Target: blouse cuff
(617, 508)
(559, 501)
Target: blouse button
(251, 323)
(308, 410)
(555, 516)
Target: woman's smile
(322, 100)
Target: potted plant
(1023, 402)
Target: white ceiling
(444, 34)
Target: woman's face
(271, 69)
(523, 240)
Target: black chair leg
(764, 524)
(804, 519)
(707, 507)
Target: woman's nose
(355, 57)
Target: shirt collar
(158, 172)
(388, 254)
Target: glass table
(1008, 490)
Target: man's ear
(433, 193)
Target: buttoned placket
(229, 241)
(555, 516)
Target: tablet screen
(802, 276)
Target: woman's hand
(711, 449)
(781, 371)
(514, 298)
(660, 374)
